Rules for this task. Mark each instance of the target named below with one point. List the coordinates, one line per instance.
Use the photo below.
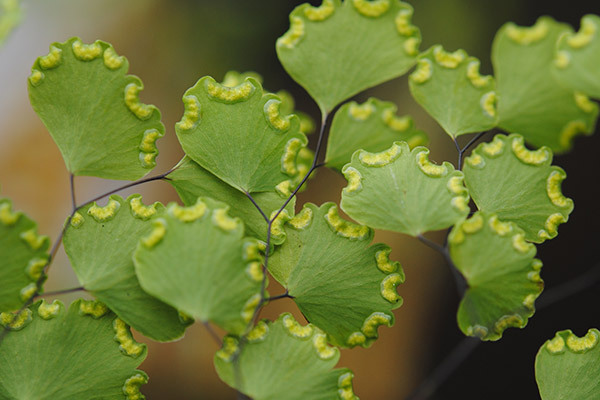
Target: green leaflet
(24, 254)
(402, 191)
(451, 90)
(196, 260)
(372, 126)
(10, 17)
(503, 277)
(238, 134)
(530, 101)
(340, 284)
(91, 109)
(568, 367)
(192, 181)
(518, 185)
(307, 125)
(83, 353)
(577, 59)
(100, 242)
(374, 42)
(284, 360)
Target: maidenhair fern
(158, 268)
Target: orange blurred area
(170, 45)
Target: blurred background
(170, 45)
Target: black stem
(280, 296)
(460, 154)
(212, 333)
(63, 291)
(569, 288)
(257, 207)
(444, 370)
(459, 279)
(461, 151)
(313, 167)
(270, 221)
(73, 201)
(132, 184)
(473, 140)
(468, 345)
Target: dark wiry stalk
(270, 221)
(466, 346)
(285, 295)
(263, 299)
(132, 184)
(461, 283)
(212, 333)
(73, 201)
(257, 207)
(461, 151)
(62, 291)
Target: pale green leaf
(288, 104)
(192, 181)
(239, 135)
(530, 100)
(578, 56)
(91, 109)
(519, 185)
(402, 191)
(24, 254)
(449, 87)
(503, 277)
(342, 48)
(284, 360)
(340, 283)
(10, 17)
(197, 260)
(100, 242)
(568, 367)
(372, 126)
(84, 352)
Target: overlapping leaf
(298, 165)
(284, 360)
(502, 275)
(288, 104)
(576, 62)
(568, 367)
(372, 126)
(100, 242)
(374, 41)
(196, 260)
(24, 254)
(530, 100)
(192, 181)
(91, 109)
(84, 352)
(518, 185)
(340, 284)
(239, 135)
(451, 90)
(10, 16)
(401, 190)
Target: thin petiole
(459, 280)
(212, 333)
(285, 295)
(73, 201)
(132, 184)
(257, 207)
(461, 151)
(63, 291)
(312, 167)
